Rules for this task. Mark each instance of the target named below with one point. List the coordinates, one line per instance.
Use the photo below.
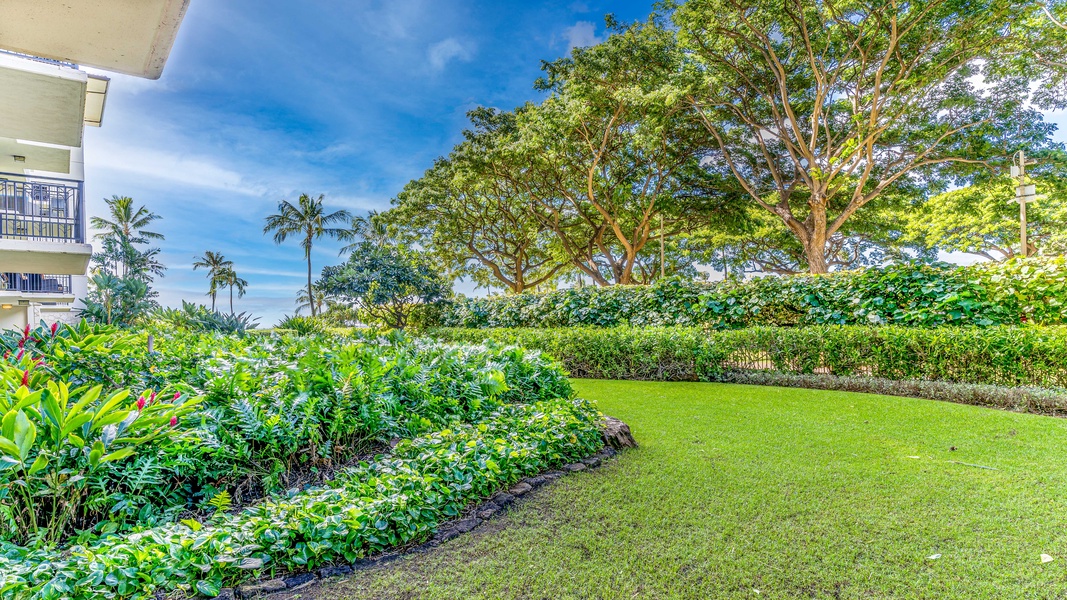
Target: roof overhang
(48, 103)
(125, 36)
(41, 102)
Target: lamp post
(1024, 193)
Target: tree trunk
(815, 245)
(231, 299)
(311, 294)
(212, 301)
(816, 255)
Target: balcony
(32, 283)
(40, 212)
(42, 227)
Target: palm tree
(314, 301)
(365, 229)
(127, 224)
(126, 221)
(229, 278)
(307, 219)
(216, 264)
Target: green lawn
(749, 492)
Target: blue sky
(263, 99)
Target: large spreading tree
(468, 210)
(817, 108)
(384, 283)
(612, 163)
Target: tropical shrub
(1003, 356)
(382, 503)
(54, 442)
(278, 411)
(912, 294)
(199, 318)
(301, 325)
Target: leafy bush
(199, 318)
(1003, 356)
(301, 325)
(278, 411)
(55, 441)
(380, 504)
(928, 295)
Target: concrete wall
(15, 317)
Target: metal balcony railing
(40, 211)
(32, 283)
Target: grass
(758, 492)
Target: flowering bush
(54, 441)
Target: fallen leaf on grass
(934, 556)
(1046, 558)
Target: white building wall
(15, 317)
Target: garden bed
(214, 413)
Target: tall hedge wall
(1020, 291)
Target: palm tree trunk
(231, 299)
(213, 301)
(311, 295)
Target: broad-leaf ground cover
(192, 462)
(751, 492)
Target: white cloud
(581, 35)
(159, 165)
(447, 50)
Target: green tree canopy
(818, 108)
(468, 210)
(982, 220)
(384, 282)
(611, 162)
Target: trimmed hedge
(389, 502)
(1001, 356)
(1030, 290)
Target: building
(46, 101)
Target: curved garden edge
(616, 435)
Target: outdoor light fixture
(5, 306)
(19, 158)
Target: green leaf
(25, 434)
(111, 403)
(210, 589)
(9, 448)
(117, 455)
(39, 464)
